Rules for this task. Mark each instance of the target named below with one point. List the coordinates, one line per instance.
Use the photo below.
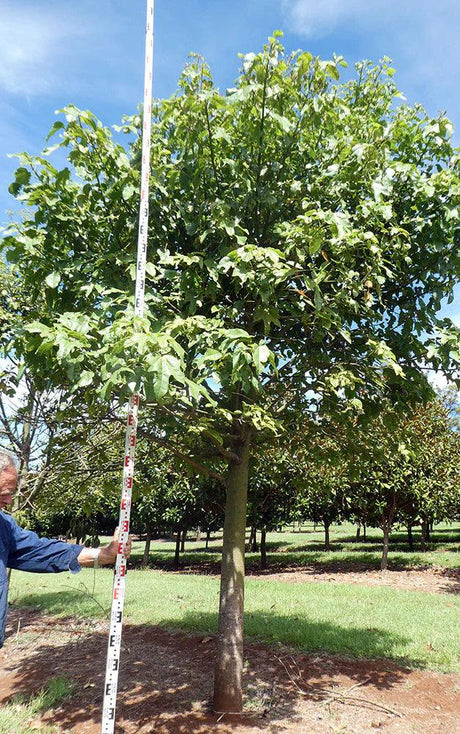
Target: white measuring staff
(116, 617)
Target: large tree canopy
(302, 234)
(296, 223)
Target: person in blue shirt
(25, 551)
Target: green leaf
(58, 125)
(166, 366)
(128, 192)
(261, 355)
(53, 279)
(21, 178)
(86, 378)
(236, 334)
(316, 243)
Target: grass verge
(18, 716)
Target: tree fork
(228, 696)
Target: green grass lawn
(19, 715)
(417, 628)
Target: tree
(171, 499)
(434, 456)
(303, 233)
(77, 489)
(272, 494)
(321, 486)
(408, 473)
(382, 483)
(25, 413)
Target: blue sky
(90, 53)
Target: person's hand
(108, 554)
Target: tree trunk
(177, 551)
(263, 549)
(358, 531)
(25, 450)
(228, 695)
(182, 542)
(327, 544)
(198, 535)
(425, 535)
(252, 541)
(386, 542)
(364, 531)
(148, 538)
(410, 537)
(208, 538)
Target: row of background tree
(391, 471)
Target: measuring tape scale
(118, 595)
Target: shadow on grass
(166, 676)
(264, 626)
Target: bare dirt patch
(166, 682)
(431, 579)
(435, 579)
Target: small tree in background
(407, 474)
(320, 491)
(272, 494)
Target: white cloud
(32, 46)
(421, 37)
(313, 18)
(25, 50)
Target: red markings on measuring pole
(116, 617)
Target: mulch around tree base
(166, 684)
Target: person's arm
(105, 556)
(28, 552)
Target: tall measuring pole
(118, 597)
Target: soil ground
(432, 579)
(166, 678)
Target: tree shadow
(166, 676)
(452, 576)
(313, 562)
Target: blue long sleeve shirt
(25, 551)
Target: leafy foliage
(302, 232)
